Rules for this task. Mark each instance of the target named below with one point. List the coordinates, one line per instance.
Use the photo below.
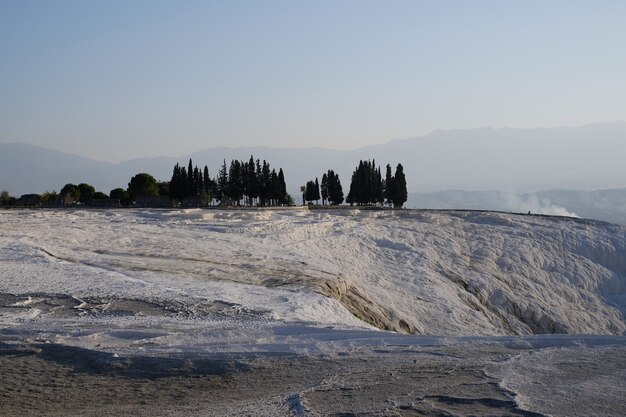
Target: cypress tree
(402, 193)
(252, 188)
(283, 187)
(206, 181)
(310, 191)
(379, 197)
(317, 191)
(388, 185)
(266, 184)
(173, 185)
(334, 190)
(324, 188)
(235, 182)
(197, 182)
(190, 185)
(222, 183)
(275, 189)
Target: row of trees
(330, 191)
(368, 186)
(253, 182)
(250, 183)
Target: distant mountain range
(515, 160)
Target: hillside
(280, 312)
(422, 272)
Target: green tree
(265, 185)
(178, 183)
(142, 184)
(4, 198)
(335, 191)
(317, 191)
(197, 184)
(69, 194)
(49, 198)
(235, 182)
(275, 190)
(324, 188)
(86, 192)
(283, 187)
(312, 191)
(121, 195)
(207, 183)
(222, 183)
(163, 187)
(309, 191)
(401, 194)
(190, 186)
(388, 185)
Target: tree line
(250, 183)
(240, 183)
(367, 187)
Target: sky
(115, 80)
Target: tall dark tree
(324, 188)
(197, 185)
(366, 184)
(310, 191)
(335, 191)
(235, 182)
(274, 189)
(378, 186)
(402, 193)
(283, 187)
(206, 180)
(265, 185)
(207, 183)
(222, 183)
(190, 184)
(317, 190)
(388, 185)
(251, 183)
(178, 183)
(259, 180)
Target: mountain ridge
(511, 159)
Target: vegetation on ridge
(242, 183)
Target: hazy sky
(115, 80)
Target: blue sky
(115, 80)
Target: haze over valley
(548, 171)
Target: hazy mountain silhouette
(519, 160)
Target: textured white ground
(443, 273)
(163, 282)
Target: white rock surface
(427, 272)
